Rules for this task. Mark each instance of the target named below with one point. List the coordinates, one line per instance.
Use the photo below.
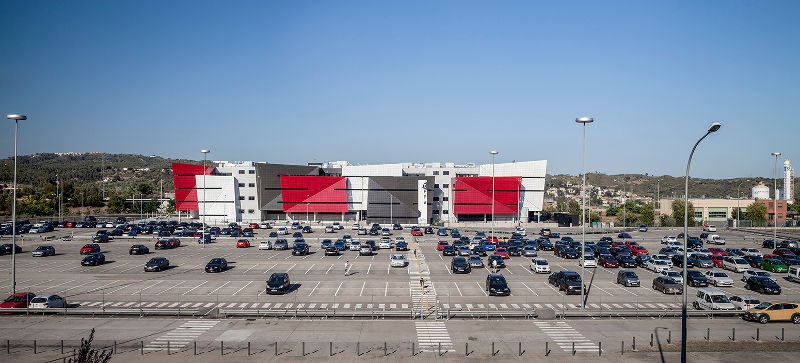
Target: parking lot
(320, 282)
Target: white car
(752, 252)
(384, 244)
(744, 302)
(540, 265)
(48, 301)
(355, 246)
(329, 229)
(668, 239)
(715, 239)
(735, 263)
(665, 258)
(110, 225)
(657, 265)
(265, 225)
(588, 261)
(399, 239)
(398, 260)
(265, 245)
(283, 231)
(675, 275)
(756, 272)
(355, 226)
(710, 228)
(521, 231)
(675, 244)
(719, 278)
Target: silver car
(464, 251)
(475, 261)
(48, 301)
(42, 251)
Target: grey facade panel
(396, 198)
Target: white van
(712, 299)
(794, 273)
(715, 239)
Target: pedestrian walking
(346, 266)
(494, 266)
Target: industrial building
(410, 193)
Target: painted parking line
(243, 287)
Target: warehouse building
(409, 193)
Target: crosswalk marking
(431, 334)
(565, 336)
(181, 336)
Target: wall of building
(719, 210)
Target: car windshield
(541, 262)
(673, 274)
(669, 281)
(762, 273)
(645, 258)
(38, 300)
(660, 262)
(216, 260)
(630, 274)
(720, 274)
(573, 278)
(154, 260)
(397, 257)
(740, 261)
(720, 299)
(497, 281)
(752, 302)
(275, 279)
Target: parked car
(156, 264)
(657, 265)
(242, 243)
(278, 283)
(496, 260)
(767, 311)
(719, 278)
(756, 272)
(217, 265)
(626, 261)
(264, 245)
(567, 281)
(627, 278)
(736, 264)
(496, 285)
(398, 260)
(764, 285)
(696, 278)
(667, 285)
(669, 239)
(93, 259)
(708, 298)
(460, 265)
(300, 249)
(643, 228)
(774, 265)
(744, 302)
(19, 300)
(138, 250)
(624, 235)
(43, 251)
(448, 251)
(475, 261)
(281, 244)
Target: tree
(87, 354)
(756, 212)
(35, 206)
(677, 212)
(116, 204)
(144, 189)
(171, 206)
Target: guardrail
(525, 314)
(636, 313)
(107, 311)
(320, 313)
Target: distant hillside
(121, 170)
(645, 185)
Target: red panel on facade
(183, 179)
(473, 195)
(326, 194)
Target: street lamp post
(307, 220)
(775, 203)
(738, 201)
(584, 121)
(493, 152)
(714, 127)
(203, 235)
(658, 200)
(16, 119)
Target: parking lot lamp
(714, 127)
(584, 121)
(307, 221)
(775, 203)
(738, 201)
(16, 119)
(493, 152)
(203, 235)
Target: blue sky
(394, 81)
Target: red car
(416, 232)
(617, 244)
(254, 225)
(242, 243)
(783, 252)
(18, 300)
(70, 224)
(197, 235)
(637, 250)
(717, 260)
(631, 244)
(174, 242)
(767, 257)
(502, 252)
(90, 248)
(608, 261)
(441, 245)
(492, 239)
(718, 252)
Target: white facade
(218, 197)
(761, 191)
(788, 182)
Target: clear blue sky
(394, 81)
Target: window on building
(435, 211)
(444, 199)
(241, 185)
(444, 211)
(717, 214)
(251, 185)
(446, 172)
(435, 199)
(435, 172)
(251, 198)
(698, 214)
(241, 171)
(780, 215)
(251, 172)
(780, 205)
(241, 211)
(251, 211)
(445, 186)
(241, 197)
(435, 186)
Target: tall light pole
(714, 127)
(738, 201)
(658, 200)
(584, 121)
(16, 119)
(203, 236)
(493, 152)
(307, 221)
(775, 205)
